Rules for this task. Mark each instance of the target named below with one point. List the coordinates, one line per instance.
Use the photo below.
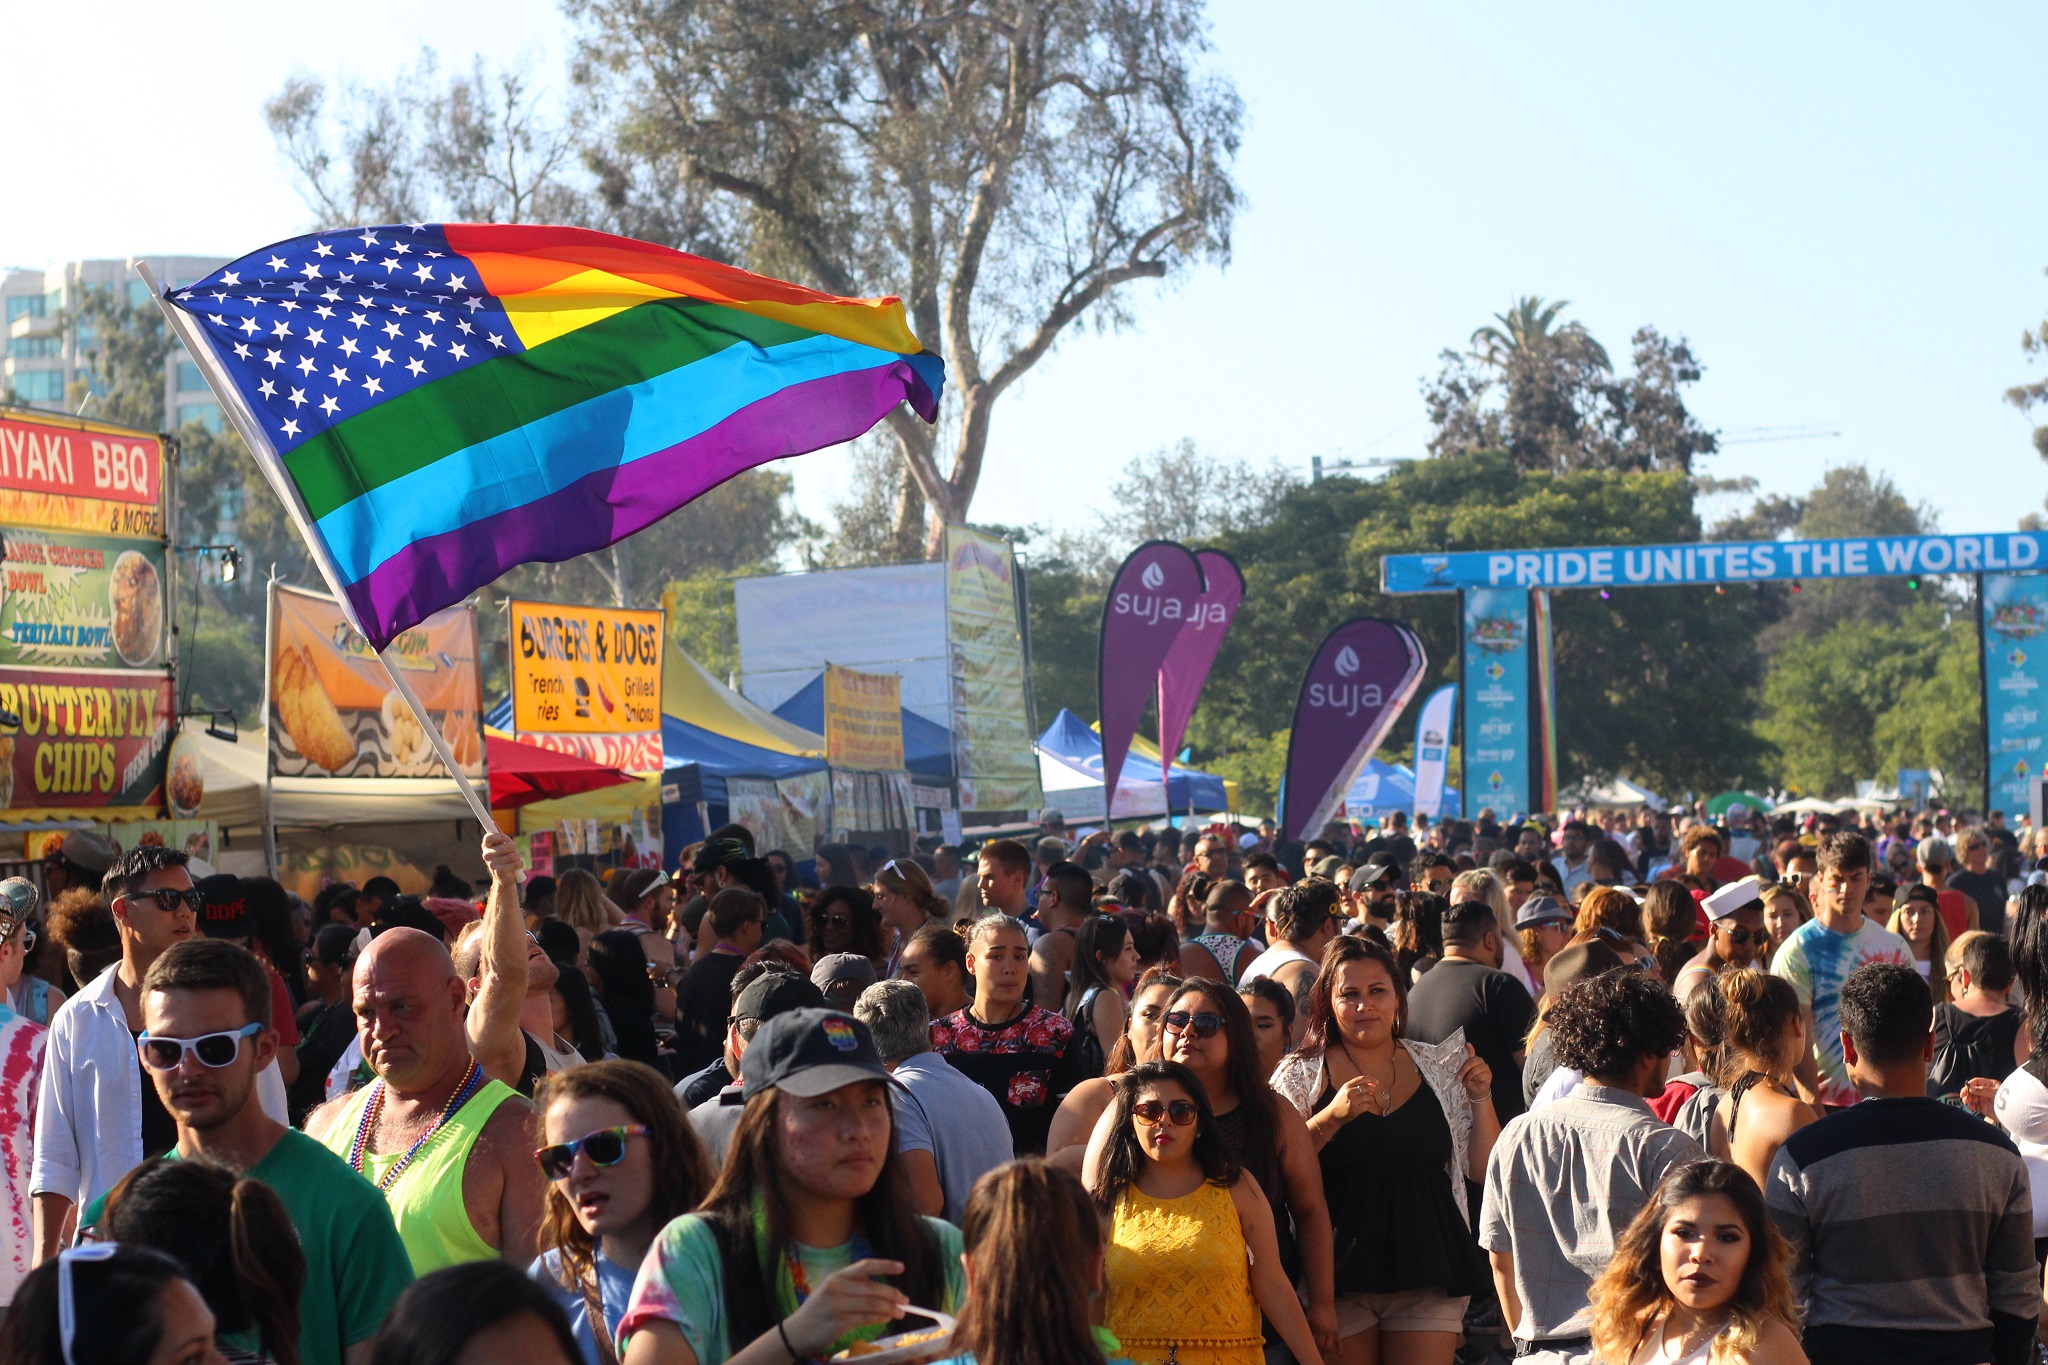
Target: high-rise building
(42, 358)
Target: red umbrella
(525, 773)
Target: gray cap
(84, 849)
(843, 967)
(1933, 851)
(1542, 910)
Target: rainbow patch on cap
(839, 1033)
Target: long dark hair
(1135, 890)
(1099, 937)
(1256, 1099)
(1418, 929)
(1034, 1235)
(230, 1232)
(1123, 1158)
(443, 1311)
(682, 1168)
(860, 909)
(753, 1170)
(620, 964)
(1344, 950)
(1630, 1295)
(1124, 1056)
(119, 1319)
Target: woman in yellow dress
(1192, 1257)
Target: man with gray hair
(949, 1131)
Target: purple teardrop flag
(1194, 650)
(1154, 595)
(1362, 676)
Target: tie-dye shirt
(21, 1069)
(1817, 960)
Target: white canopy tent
(1617, 794)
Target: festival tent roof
(697, 761)
(1617, 794)
(524, 773)
(1070, 770)
(234, 772)
(690, 693)
(927, 746)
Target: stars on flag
(398, 285)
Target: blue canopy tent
(1382, 788)
(697, 762)
(1070, 770)
(927, 745)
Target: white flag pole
(251, 431)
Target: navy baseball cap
(809, 1052)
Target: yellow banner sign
(585, 670)
(863, 720)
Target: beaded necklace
(472, 1081)
(793, 1284)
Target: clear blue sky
(1843, 208)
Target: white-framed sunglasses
(67, 1299)
(213, 1049)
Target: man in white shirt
(94, 1108)
(1575, 866)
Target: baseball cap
(18, 899)
(808, 1052)
(773, 993)
(1578, 962)
(1326, 867)
(837, 967)
(1370, 876)
(1725, 901)
(1542, 910)
(226, 912)
(84, 849)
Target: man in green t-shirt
(197, 1001)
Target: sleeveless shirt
(426, 1201)
(1178, 1274)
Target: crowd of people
(1668, 1087)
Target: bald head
(409, 1006)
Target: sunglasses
(1741, 937)
(169, 899)
(67, 1297)
(1151, 1113)
(837, 921)
(26, 931)
(605, 1147)
(214, 1049)
(1203, 1025)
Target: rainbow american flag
(439, 402)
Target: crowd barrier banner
(587, 681)
(1432, 749)
(863, 720)
(2013, 625)
(1156, 594)
(332, 711)
(1708, 563)
(989, 703)
(1497, 735)
(1362, 676)
(1193, 652)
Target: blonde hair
(581, 903)
(1795, 895)
(1481, 885)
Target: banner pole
(246, 426)
(1983, 693)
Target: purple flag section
(1156, 592)
(1363, 675)
(1194, 649)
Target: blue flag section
(1665, 566)
(1495, 666)
(2014, 623)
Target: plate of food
(919, 1343)
(135, 595)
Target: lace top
(1178, 1278)
(1300, 1080)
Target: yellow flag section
(863, 720)
(992, 753)
(587, 681)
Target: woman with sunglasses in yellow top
(1192, 1260)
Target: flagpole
(251, 431)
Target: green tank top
(426, 1201)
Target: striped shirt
(1912, 1231)
(1562, 1184)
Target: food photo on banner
(587, 681)
(1362, 676)
(332, 710)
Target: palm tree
(1525, 328)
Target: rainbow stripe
(449, 401)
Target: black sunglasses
(1203, 1025)
(1740, 936)
(605, 1147)
(168, 899)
